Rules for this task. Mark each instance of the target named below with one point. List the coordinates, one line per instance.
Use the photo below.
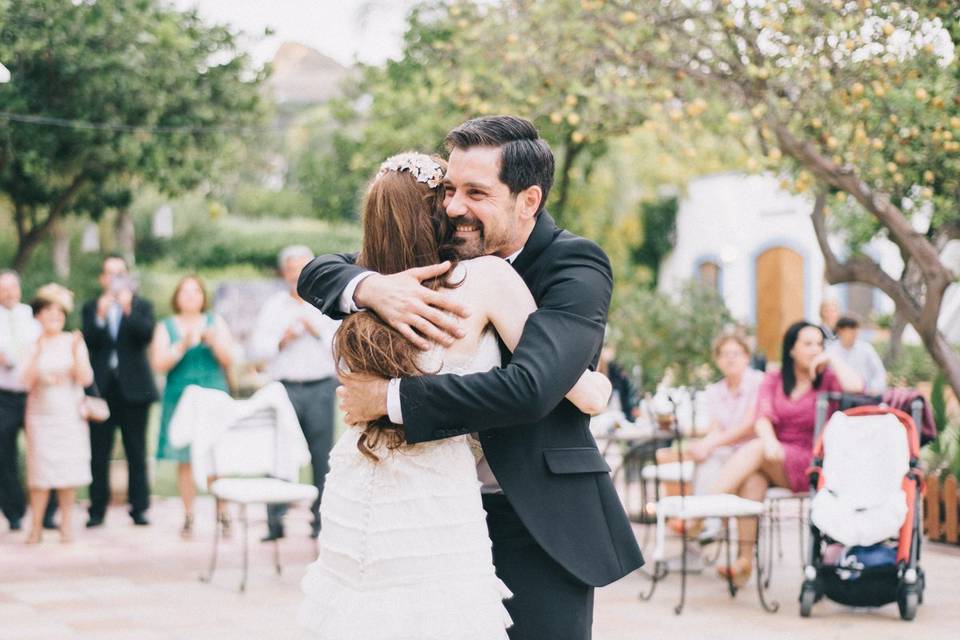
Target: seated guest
(786, 412)
(192, 347)
(731, 403)
(624, 397)
(58, 440)
(859, 355)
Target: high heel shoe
(738, 573)
(223, 520)
(186, 531)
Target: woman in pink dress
(786, 411)
(58, 437)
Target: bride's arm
(506, 302)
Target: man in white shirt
(294, 342)
(18, 332)
(860, 355)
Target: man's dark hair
(847, 322)
(525, 157)
(114, 256)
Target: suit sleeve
(323, 280)
(94, 335)
(140, 324)
(559, 342)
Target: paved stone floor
(122, 582)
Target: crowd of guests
(761, 425)
(72, 390)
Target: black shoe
(273, 533)
(139, 518)
(94, 521)
(49, 524)
(15, 525)
(315, 530)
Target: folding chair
(246, 464)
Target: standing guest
(786, 412)
(192, 347)
(58, 446)
(859, 355)
(829, 315)
(295, 341)
(118, 327)
(18, 332)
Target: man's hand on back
(363, 398)
(417, 312)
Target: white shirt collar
(513, 256)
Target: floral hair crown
(422, 167)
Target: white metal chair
(724, 506)
(247, 461)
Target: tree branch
(858, 268)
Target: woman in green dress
(192, 346)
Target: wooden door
(780, 301)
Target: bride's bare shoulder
(490, 266)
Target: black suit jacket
(537, 443)
(134, 377)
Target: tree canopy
(109, 95)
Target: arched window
(708, 275)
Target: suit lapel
(544, 231)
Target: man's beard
(472, 249)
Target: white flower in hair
(422, 167)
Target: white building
(754, 243)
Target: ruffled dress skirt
(404, 549)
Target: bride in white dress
(404, 550)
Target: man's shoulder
(569, 248)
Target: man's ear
(529, 200)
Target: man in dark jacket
(118, 327)
(556, 522)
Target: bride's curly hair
(404, 226)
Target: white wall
(732, 218)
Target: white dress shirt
(303, 359)
(18, 331)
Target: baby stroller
(865, 507)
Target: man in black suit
(556, 522)
(118, 327)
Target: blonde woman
(192, 347)
(58, 437)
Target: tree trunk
(895, 346)
(126, 235)
(61, 251)
(563, 189)
(946, 358)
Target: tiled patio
(123, 582)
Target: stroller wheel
(907, 602)
(921, 585)
(807, 597)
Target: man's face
(291, 270)
(485, 215)
(112, 268)
(9, 290)
(847, 336)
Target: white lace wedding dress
(404, 549)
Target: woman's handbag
(93, 408)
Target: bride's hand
(417, 312)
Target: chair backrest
(248, 447)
